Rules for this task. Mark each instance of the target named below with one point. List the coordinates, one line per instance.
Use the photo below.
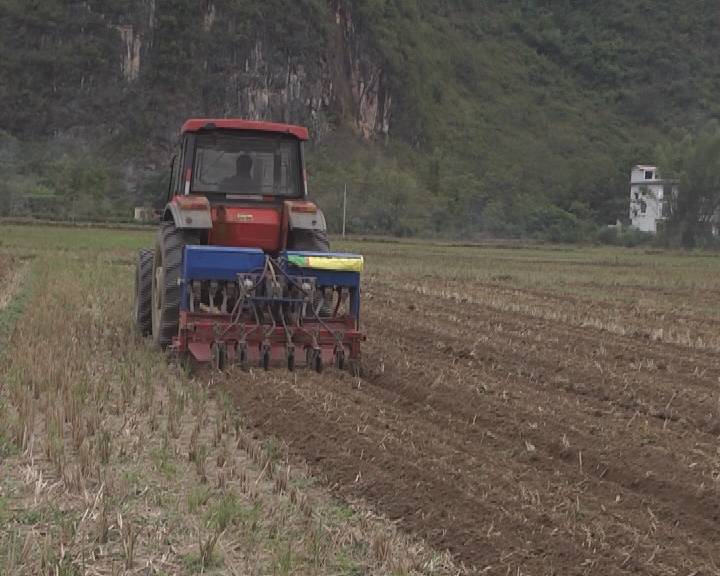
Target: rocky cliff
(294, 62)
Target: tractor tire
(142, 314)
(166, 289)
(309, 240)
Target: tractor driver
(243, 173)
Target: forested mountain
(454, 117)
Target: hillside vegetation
(512, 117)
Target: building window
(648, 174)
(643, 207)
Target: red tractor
(242, 272)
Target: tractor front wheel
(143, 292)
(166, 289)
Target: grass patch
(4, 510)
(14, 309)
(162, 458)
(196, 564)
(224, 512)
(340, 513)
(346, 565)
(284, 560)
(273, 449)
(7, 447)
(198, 498)
(49, 515)
(74, 240)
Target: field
(521, 410)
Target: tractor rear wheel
(166, 288)
(143, 292)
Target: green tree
(693, 163)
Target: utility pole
(344, 211)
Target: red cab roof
(197, 124)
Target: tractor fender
(305, 216)
(189, 213)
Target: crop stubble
(533, 412)
(114, 462)
(511, 432)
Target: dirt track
(516, 441)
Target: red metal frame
(198, 124)
(199, 331)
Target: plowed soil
(531, 414)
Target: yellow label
(244, 217)
(339, 264)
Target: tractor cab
(243, 183)
(235, 160)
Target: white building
(649, 198)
